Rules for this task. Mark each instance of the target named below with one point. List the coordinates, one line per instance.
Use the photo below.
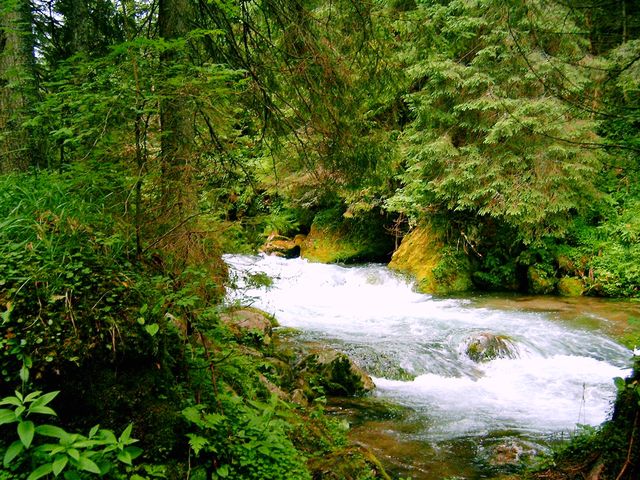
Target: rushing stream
(414, 346)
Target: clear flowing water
(414, 347)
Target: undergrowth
(128, 341)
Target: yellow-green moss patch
(570, 287)
(328, 245)
(436, 267)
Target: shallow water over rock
(460, 417)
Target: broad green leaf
(32, 396)
(124, 457)
(52, 449)
(108, 436)
(59, 463)
(51, 431)
(152, 329)
(11, 401)
(41, 471)
(126, 435)
(223, 471)
(193, 415)
(26, 430)
(74, 454)
(7, 416)
(42, 410)
(88, 465)
(86, 444)
(12, 452)
(134, 452)
(197, 442)
(46, 398)
(94, 430)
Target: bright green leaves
(7, 416)
(628, 386)
(196, 442)
(249, 441)
(58, 464)
(492, 134)
(24, 406)
(152, 329)
(26, 431)
(73, 452)
(12, 452)
(41, 471)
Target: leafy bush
(67, 282)
(47, 449)
(248, 441)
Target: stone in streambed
(437, 268)
(485, 347)
(283, 246)
(334, 372)
(249, 322)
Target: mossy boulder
(283, 246)
(335, 373)
(540, 282)
(250, 323)
(437, 267)
(348, 463)
(570, 287)
(334, 238)
(485, 347)
(329, 245)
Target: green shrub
(249, 441)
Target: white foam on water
(561, 376)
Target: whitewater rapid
(414, 347)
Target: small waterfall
(416, 346)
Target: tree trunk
(15, 85)
(179, 196)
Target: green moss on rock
(354, 463)
(335, 372)
(570, 287)
(487, 346)
(436, 267)
(336, 239)
(328, 245)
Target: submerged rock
(485, 347)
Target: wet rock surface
(485, 347)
